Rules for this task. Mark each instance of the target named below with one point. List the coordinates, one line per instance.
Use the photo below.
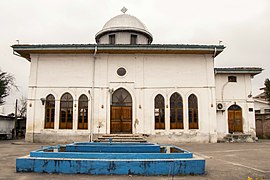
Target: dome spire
(124, 10)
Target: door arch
(121, 112)
(235, 119)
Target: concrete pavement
(223, 161)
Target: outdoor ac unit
(220, 107)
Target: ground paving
(223, 161)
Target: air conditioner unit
(220, 106)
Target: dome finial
(124, 9)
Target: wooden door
(121, 112)
(235, 119)
(121, 119)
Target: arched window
(66, 111)
(159, 112)
(83, 112)
(49, 112)
(193, 112)
(176, 111)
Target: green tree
(6, 83)
(267, 89)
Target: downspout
(211, 94)
(35, 103)
(92, 96)
(215, 53)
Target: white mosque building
(124, 84)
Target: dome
(124, 22)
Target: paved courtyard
(223, 161)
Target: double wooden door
(235, 119)
(121, 119)
(121, 112)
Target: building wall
(123, 38)
(147, 76)
(230, 93)
(261, 106)
(6, 125)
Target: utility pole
(15, 128)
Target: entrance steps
(121, 138)
(238, 138)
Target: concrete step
(121, 138)
(238, 137)
(122, 135)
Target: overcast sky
(243, 26)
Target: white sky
(242, 25)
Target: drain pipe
(92, 96)
(215, 52)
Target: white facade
(235, 93)
(150, 70)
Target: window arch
(66, 111)
(159, 112)
(83, 112)
(176, 111)
(193, 112)
(49, 112)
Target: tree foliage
(267, 89)
(22, 107)
(6, 83)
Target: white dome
(124, 22)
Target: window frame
(232, 78)
(176, 106)
(159, 112)
(133, 39)
(83, 105)
(193, 112)
(112, 38)
(49, 108)
(66, 104)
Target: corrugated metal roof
(118, 46)
(25, 50)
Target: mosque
(124, 84)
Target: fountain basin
(112, 158)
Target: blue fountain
(112, 159)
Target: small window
(121, 71)
(232, 79)
(133, 39)
(257, 111)
(250, 109)
(112, 39)
(267, 110)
